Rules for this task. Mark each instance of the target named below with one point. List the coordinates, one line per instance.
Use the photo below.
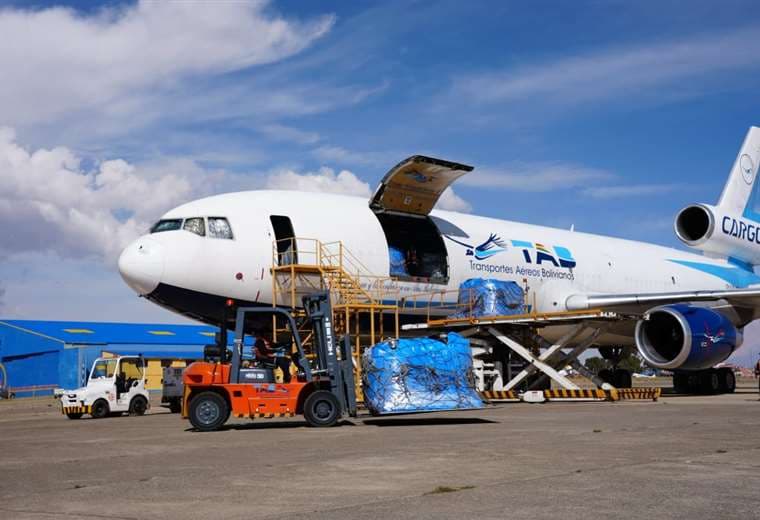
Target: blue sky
(607, 115)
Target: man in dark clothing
(265, 354)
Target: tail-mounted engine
(713, 230)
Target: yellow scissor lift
(363, 304)
(453, 310)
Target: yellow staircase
(362, 302)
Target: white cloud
(635, 190)
(452, 202)
(325, 180)
(535, 177)
(57, 61)
(49, 202)
(346, 183)
(616, 72)
(340, 155)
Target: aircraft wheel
(138, 406)
(208, 411)
(622, 378)
(681, 383)
(99, 409)
(709, 382)
(321, 409)
(607, 376)
(74, 416)
(727, 380)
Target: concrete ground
(682, 457)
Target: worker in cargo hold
(265, 355)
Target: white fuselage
(239, 268)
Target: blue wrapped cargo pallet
(487, 297)
(419, 375)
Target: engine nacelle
(713, 230)
(684, 337)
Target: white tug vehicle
(115, 386)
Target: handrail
(338, 266)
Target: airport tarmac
(682, 457)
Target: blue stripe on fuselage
(736, 276)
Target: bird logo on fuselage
(494, 245)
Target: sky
(606, 115)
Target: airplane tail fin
(740, 196)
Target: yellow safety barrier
(76, 409)
(499, 395)
(639, 393)
(576, 394)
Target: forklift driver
(267, 356)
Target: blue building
(37, 356)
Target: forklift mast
(338, 371)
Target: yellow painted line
(210, 334)
(79, 331)
(161, 333)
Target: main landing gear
(710, 381)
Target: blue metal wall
(32, 357)
(29, 359)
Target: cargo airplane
(685, 311)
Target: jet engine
(716, 231)
(684, 337)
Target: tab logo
(535, 253)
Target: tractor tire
(99, 409)
(727, 380)
(622, 378)
(175, 406)
(709, 382)
(321, 409)
(208, 411)
(74, 416)
(138, 405)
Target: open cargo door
(414, 185)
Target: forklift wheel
(99, 409)
(138, 406)
(208, 411)
(321, 409)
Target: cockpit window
(218, 227)
(167, 225)
(195, 225)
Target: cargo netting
(419, 375)
(486, 297)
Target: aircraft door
(285, 238)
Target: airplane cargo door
(402, 204)
(286, 240)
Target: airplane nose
(141, 265)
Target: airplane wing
(644, 301)
(414, 185)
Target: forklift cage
(332, 370)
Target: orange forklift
(322, 390)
